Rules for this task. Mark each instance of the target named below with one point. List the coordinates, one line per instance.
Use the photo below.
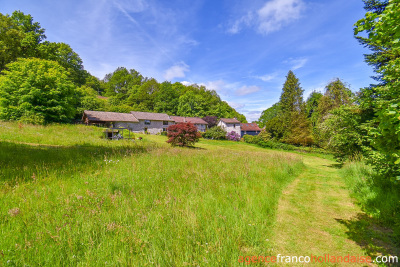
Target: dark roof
(102, 116)
(194, 120)
(151, 116)
(250, 127)
(230, 120)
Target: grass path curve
(312, 213)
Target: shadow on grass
(21, 162)
(335, 165)
(375, 239)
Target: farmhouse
(249, 128)
(230, 125)
(153, 123)
(110, 119)
(199, 123)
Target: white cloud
(236, 105)
(271, 17)
(246, 90)
(176, 71)
(277, 13)
(266, 77)
(237, 26)
(218, 85)
(186, 83)
(296, 63)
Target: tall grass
(377, 197)
(110, 203)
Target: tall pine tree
(292, 95)
(297, 128)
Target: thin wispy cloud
(271, 17)
(246, 90)
(266, 77)
(176, 71)
(236, 105)
(296, 63)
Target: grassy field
(71, 198)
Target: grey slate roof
(102, 116)
(151, 116)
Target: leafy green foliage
(341, 133)
(384, 126)
(216, 133)
(299, 130)
(268, 114)
(336, 95)
(36, 91)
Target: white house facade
(230, 125)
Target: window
(165, 122)
(147, 122)
(234, 126)
(164, 129)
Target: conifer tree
(292, 95)
(297, 128)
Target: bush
(233, 136)
(183, 134)
(251, 139)
(264, 136)
(216, 133)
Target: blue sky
(243, 49)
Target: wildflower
(14, 212)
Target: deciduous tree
(37, 91)
(183, 134)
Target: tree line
(362, 125)
(43, 82)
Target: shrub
(216, 133)
(233, 136)
(183, 134)
(251, 139)
(264, 136)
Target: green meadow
(70, 197)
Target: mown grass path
(312, 212)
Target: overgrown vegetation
(215, 133)
(72, 198)
(377, 196)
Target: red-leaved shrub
(183, 134)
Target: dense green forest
(43, 82)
